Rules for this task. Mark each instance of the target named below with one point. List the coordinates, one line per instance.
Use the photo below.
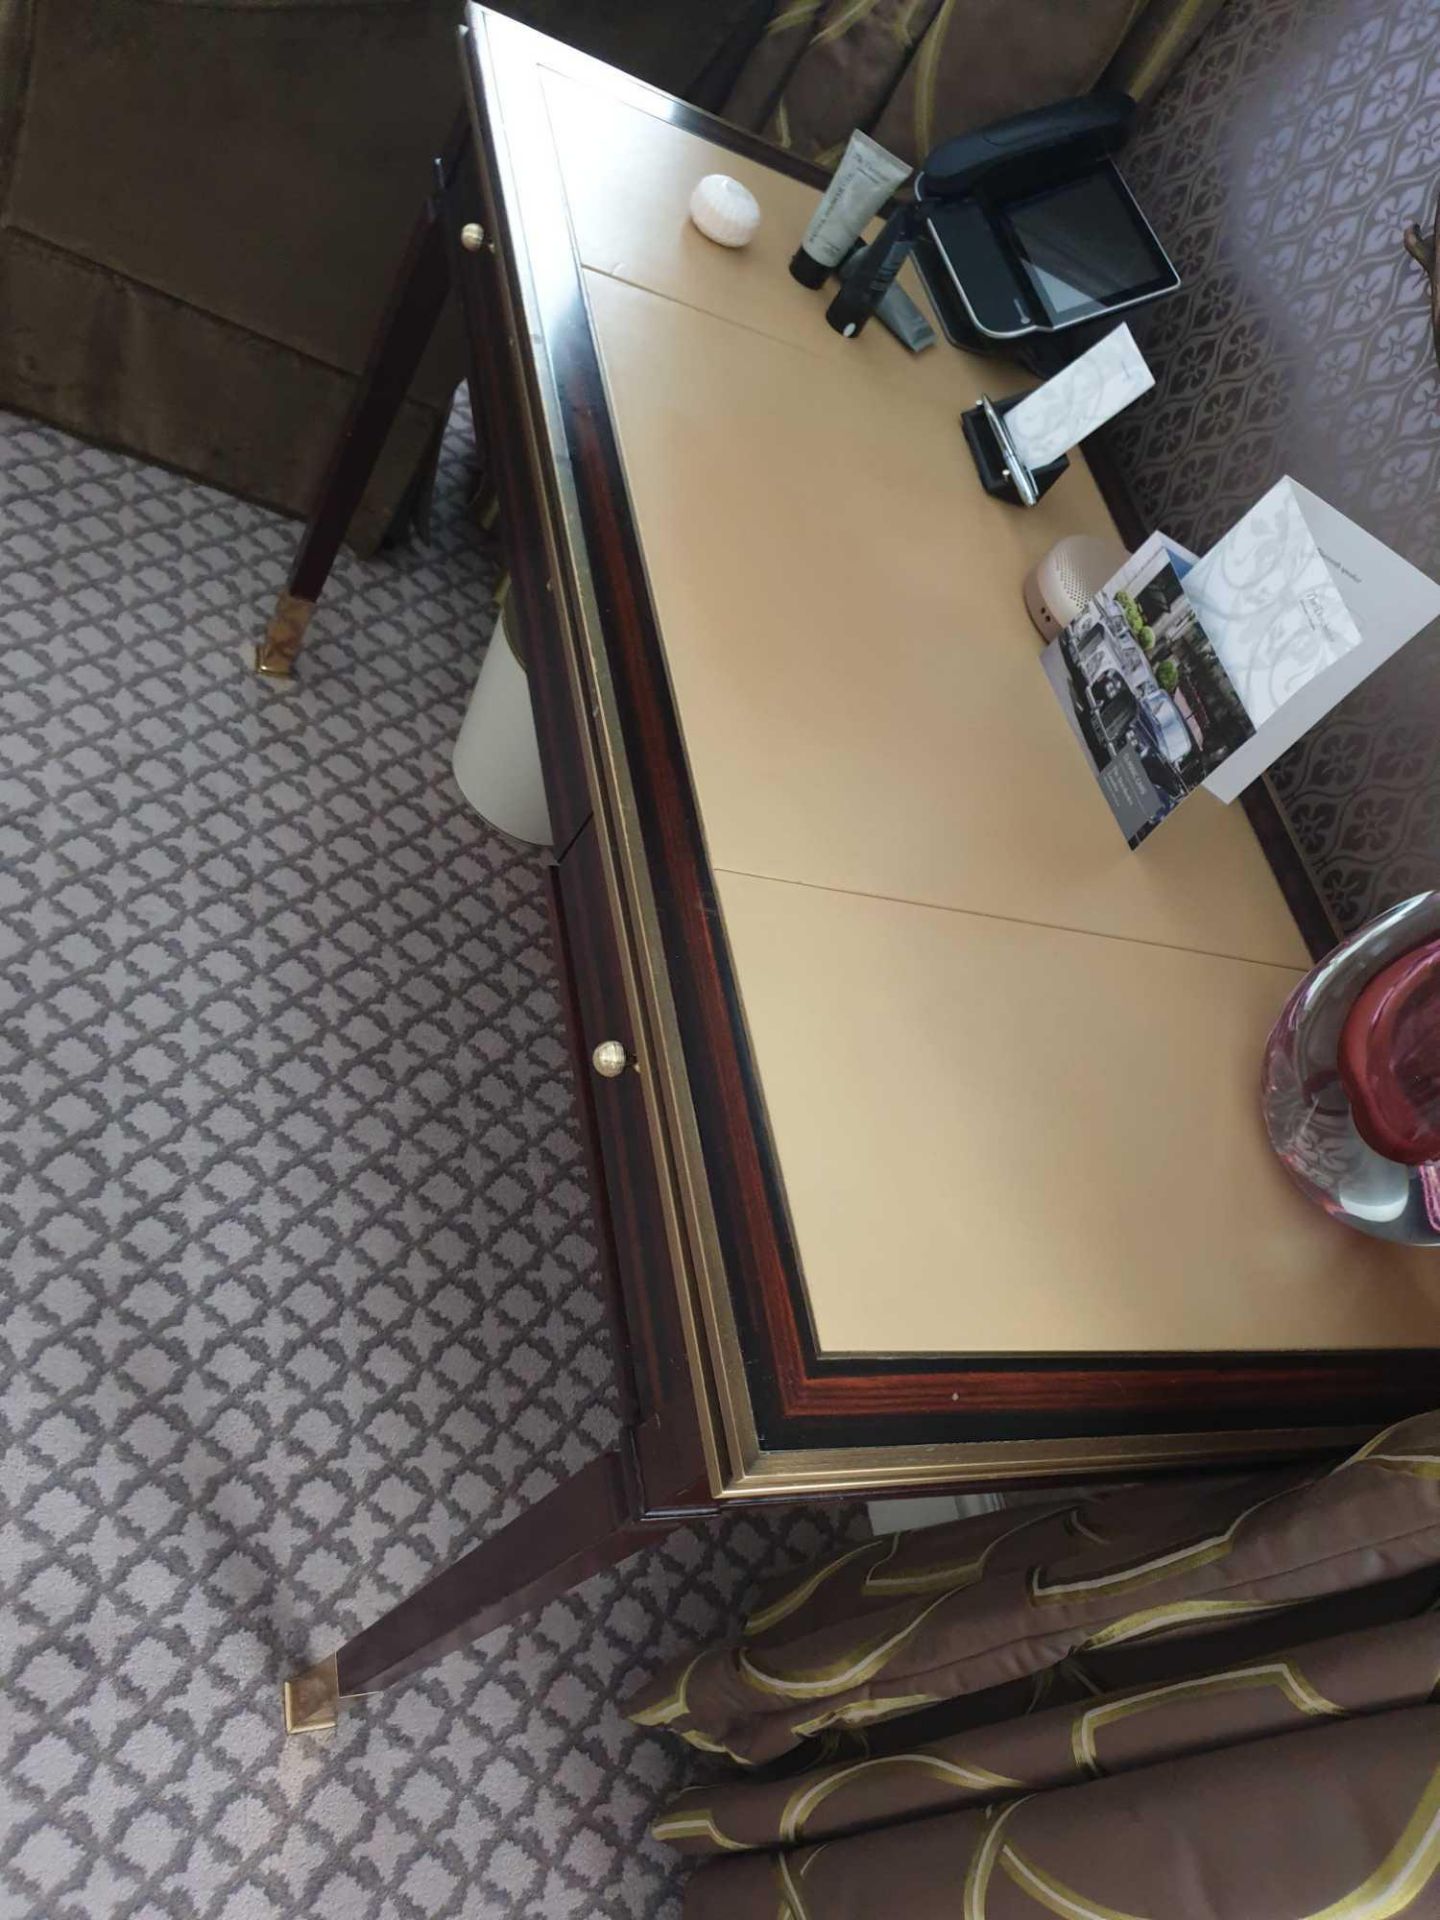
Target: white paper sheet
(1301, 605)
(1073, 403)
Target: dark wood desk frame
(1250, 1404)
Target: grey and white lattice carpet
(297, 1281)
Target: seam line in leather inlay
(1012, 919)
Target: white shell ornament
(724, 210)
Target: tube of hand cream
(864, 180)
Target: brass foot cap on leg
(276, 654)
(312, 1698)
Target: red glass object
(1389, 1058)
(1351, 1083)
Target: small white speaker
(1072, 572)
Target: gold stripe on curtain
(1158, 40)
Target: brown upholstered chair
(202, 203)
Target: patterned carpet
(299, 1290)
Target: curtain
(1155, 1704)
(913, 72)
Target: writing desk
(922, 1114)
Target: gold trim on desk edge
(611, 793)
(707, 1312)
(862, 1471)
(712, 1336)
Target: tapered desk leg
(588, 1523)
(405, 329)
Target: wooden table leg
(409, 320)
(589, 1522)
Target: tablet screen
(1085, 247)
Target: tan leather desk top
(1009, 1065)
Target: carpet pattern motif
(299, 1291)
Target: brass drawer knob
(610, 1059)
(472, 236)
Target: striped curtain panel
(1169, 1703)
(912, 72)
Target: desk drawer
(613, 1115)
(502, 407)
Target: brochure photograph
(1182, 673)
(1144, 689)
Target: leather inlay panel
(855, 675)
(1000, 1138)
